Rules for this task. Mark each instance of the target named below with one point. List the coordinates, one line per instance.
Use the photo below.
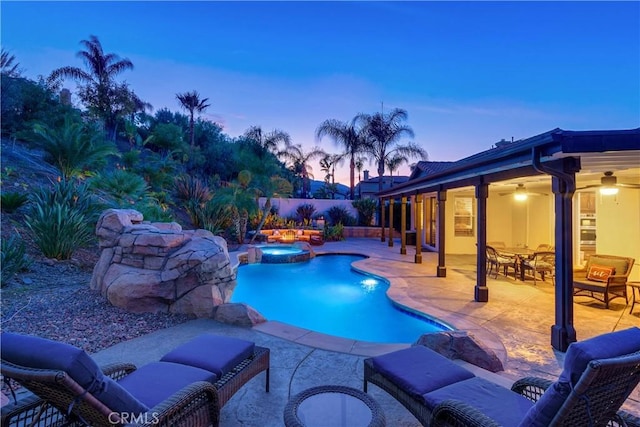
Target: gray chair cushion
(604, 346)
(504, 406)
(419, 370)
(40, 353)
(214, 353)
(156, 381)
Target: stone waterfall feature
(158, 267)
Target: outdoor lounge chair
(599, 374)
(187, 387)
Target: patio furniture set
(190, 385)
(603, 277)
(313, 237)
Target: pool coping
(398, 294)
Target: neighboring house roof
(526, 157)
(386, 179)
(424, 168)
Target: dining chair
(542, 263)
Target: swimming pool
(326, 295)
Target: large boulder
(462, 345)
(158, 267)
(238, 314)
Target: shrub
(194, 193)
(62, 219)
(72, 147)
(190, 189)
(366, 210)
(334, 233)
(124, 188)
(11, 201)
(12, 258)
(305, 212)
(215, 217)
(130, 158)
(339, 215)
(153, 210)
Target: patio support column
(403, 225)
(481, 290)
(418, 257)
(563, 332)
(563, 185)
(382, 218)
(442, 199)
(391, 222)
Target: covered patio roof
(592, 151)
(558, 155)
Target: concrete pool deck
(515, 322)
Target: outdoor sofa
(187, 387)
(603, 278)
(599, 374)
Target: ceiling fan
(521, 193)
(609, 185)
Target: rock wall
(158, 267)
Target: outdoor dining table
(521, 253)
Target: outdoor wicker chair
(540, 263)
(70, 389)
(498, 261)
(599, 374)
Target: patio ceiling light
(609, 183)
(520, 194)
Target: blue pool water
(280, 250)
(325, 295)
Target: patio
(515, 322)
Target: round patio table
(335, 406)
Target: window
(463, 217)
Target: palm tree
(350, 137)
(191, 102)
(360, 165)
(270, 187)
(300, 163)
(8, 64)
(384, 132)
(72, 147)
(99, 80)
(394, 163)
(269, 141)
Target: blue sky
(468, 73)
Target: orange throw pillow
(600, 273)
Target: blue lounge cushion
(118, 399)
(419, 370)
(156, 381)
(40, 353)
(605, 346)
(541, 414)
(578, 356)
(214, 353)
(506, 407)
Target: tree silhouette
(98, 90)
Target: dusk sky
(468, 73)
